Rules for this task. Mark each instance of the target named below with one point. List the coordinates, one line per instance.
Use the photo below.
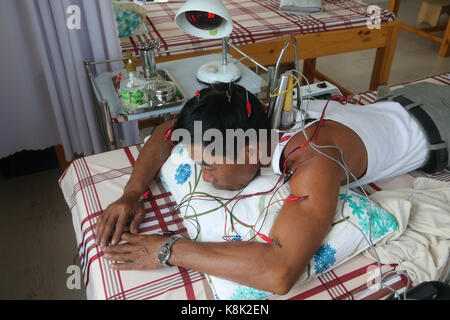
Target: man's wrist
(131, 194)
(175, 258)
(164, 253)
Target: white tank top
(394, 141)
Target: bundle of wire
(281, 181)
(343, 100)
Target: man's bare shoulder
(335, 137)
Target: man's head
(225, 139)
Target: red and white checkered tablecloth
(254, 21)
(90, 184)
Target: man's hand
(116, 216)
(140, 253)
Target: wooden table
(260, 31)
(313, 46)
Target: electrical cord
(309, 141)
(348, 172)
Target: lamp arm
(247, 56)
(277, 66)
(224, 51)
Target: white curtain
(45, 97)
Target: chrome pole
(224, 51)
(279, 102)
(248, 57)
(277, 66)
(270, 73)
(109, 125)
(274, 79)
(103, 111)
(294, 42)
(159, 52)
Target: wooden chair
(430, 12)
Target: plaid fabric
(254, 21)
(353, 280)
(90, 184)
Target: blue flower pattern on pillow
(324, 258)
(129, 22)
(381, 221)
(180, 151)
(248, 293)
(183, 173)
(236, 238)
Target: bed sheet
(91, 183)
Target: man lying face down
(377, 141)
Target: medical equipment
(319, 91)
(160, 92)
(275, 118)
(148, 58)
(273, 81)
(287, 115)
(287, 96)
(210, 20)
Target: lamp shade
(206, 19)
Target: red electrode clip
(264, 237)
(249, 108)
(291, 199)
(144, 196)
(168, 134)
(285, 138)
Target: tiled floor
(38, 241)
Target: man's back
(331, 133)
(380, 140)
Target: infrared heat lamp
(210, 19)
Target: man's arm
(299, 229)
(115, 217)
(149, 161)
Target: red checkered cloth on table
(90, 184)
(254, 21)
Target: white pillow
(205, 220)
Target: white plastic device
(322, 89)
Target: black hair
(222, 107)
